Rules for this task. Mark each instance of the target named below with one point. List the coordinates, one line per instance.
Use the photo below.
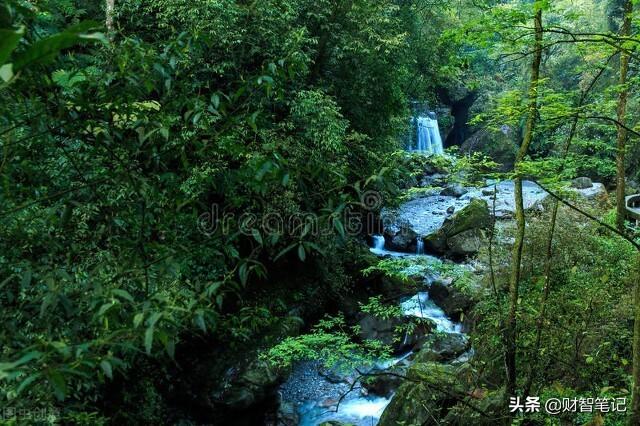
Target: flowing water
(428, 138)
(317, 397)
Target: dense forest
(320, 212)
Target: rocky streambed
(450, 225)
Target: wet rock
(452, 301)
(454, 238)
(505, 208)
(390, 332)
(442, 347)
(465, 243)
(454, 190)
(416, 403)
(400, 236)
(252, 386)
(450, 210)
(287, 414)
(582, 183)
(384, 383)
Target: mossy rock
(419, 400)
(460, 234)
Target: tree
(621, 139)
(510, 332)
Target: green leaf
(137, 319)
(56, 380)
(257, 236)
(26, 382)
(148, 339)
(6, 72)
(124, 294)
(9, 40)
(48, 48)
(106, 367)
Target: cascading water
(429, 140)
(419, 246)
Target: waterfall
(419, 246)
(429, 140)
(378, 242)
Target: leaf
(26, 279)
(26, 382)
(148, 339)
(137, 319)
(9, 40)
(257, 236)
(58, 383)
(6, 72)
(47, 48)
(199, 319)
(106, 367)
(243, 273)
(124, 294)
(301, 253)
(30, 356)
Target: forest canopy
(199, 199)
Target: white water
(422, 307)
(429, 140)
(419, 246)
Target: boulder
(594, 192)
(387, 331)
(253, 385)
(454, 190)
(582, 183)
(452, 301)
(465, 243)
(417, 403)
(442, 347)
(384, 383)
(400, 237)
(474, 217)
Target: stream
(312, 395)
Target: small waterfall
(378, 242)
(419, 246)
(429, 140)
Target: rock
(450, 210)
(252, 385)
(382, 384)
(400, 237)
(416, 403)
(451, 300)
(474, 217)
(582, 183)
(287, 414)
(596, 191)
(442, 347)
(386, 331)
(454, 190)
(505, 208)
(465, 243)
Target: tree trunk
(621, 139)
(516, 254)
(109, 9)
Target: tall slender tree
(516, 254)
(621, 139)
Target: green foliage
(333, 343)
